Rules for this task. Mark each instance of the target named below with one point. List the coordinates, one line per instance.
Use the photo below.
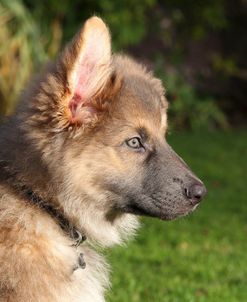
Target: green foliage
(23, 51)
(195, 18)
(188, 109)
(228, 66)
(201, 258)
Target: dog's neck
(30, 196)
(57, 214)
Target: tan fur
(48, 150)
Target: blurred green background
(198, 48)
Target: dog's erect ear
(86, 66)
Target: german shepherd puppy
(83, 156)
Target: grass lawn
(202, 257)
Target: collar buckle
(77, 237)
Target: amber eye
(134, 143)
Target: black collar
(63, 222)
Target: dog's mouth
(148, 206)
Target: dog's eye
(134, 143)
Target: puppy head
(101, 122)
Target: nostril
(186, 192)
(195, 192)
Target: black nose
(195, 192)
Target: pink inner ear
(81, 91)
(74, 103)
(88, 76)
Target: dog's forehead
(142, 95)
